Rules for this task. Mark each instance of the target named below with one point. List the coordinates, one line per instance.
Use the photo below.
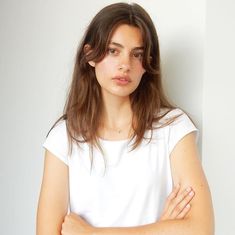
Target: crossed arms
(186, 212)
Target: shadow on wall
(182, 70)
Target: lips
(125, 79)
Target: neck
(117, 111)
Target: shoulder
(58, 128)
(173, 118)
(170, 115)
(175, 124)
(58, 133)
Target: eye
(112, 51)
(138, 55)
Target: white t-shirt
(131, 187)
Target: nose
(124, 63)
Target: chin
(123, 93)
(120, 92)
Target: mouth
(123, 80)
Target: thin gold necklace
(118, 130)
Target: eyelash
(138, 55)
(114, 51)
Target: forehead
(127, 35)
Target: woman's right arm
(54, 196)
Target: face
(120, 71)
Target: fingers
(179, 205)
(169, 199)
(174, 193)
(184, 212)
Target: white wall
(219, 111)
(38, 42)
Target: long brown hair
(83, 108)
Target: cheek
(140, 71)
(104, 67)
(139, 74)
(107, 63)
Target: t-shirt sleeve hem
(180, 127)
(62, 158)
(171, 148)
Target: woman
(122, 159)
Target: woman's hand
(177, 204)
(176, 207)
(74, 225)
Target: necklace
(118, 130)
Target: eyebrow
(121, 46)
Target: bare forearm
(167, 227)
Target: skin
(187, 211)
(124, 58)
(124, 53)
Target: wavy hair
(83, 108)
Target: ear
(91, 63)
(87, 50)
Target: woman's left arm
(186, 171)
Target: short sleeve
(179, 128)
(57, 142)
